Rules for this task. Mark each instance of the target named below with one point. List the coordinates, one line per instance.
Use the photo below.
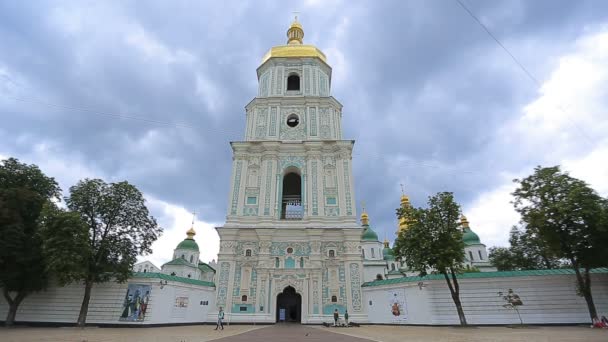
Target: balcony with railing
(291, 208)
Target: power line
(524, 69)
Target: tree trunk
(84, 308)
(584, 285)
(13, 306)
(455, 292)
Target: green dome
(188, 244)
(388, 253)
(369, 234)
(469, 237)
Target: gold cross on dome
(402, 189)
(295, 14)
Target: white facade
(547, 299)
(173, 301)
(145, 266)
(291, 222)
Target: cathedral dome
(295, 47)
(388, 252)
(369, 234)
(468, 237)
(189, 242)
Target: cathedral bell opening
(289, 306)
(291, 202)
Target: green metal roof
(205, 268)
(388, 253)
(369, 234)
(188, 244)
(502, 274)
(179, 262)
(469, 237)
(173, 278)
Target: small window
(363, 252)
(276, 262)
(145, 271)
(289, 250)
(244, 298)
(392, 267)
(188, 276)
(480, 257)
(293, 82)
(334, 299)
(183, 256)
(252, 200)
(370, 302)
(243, 308)
(331, 201)
(173, 274)
(191, 258)
(293, 120)
(373, 253)
(332, 253)
(471, 255)
(301, 262)
(248, 252)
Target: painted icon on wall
(136, 303)
(397, 306)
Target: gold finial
(464, 222)
(191, 231)
(295, 33)
(364, 216)
(386, 243)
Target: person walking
(220, 317)
(336, 317)
(346, 317)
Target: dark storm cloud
(424, 93)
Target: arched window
(191, 258)
(145, 271)
(276, 262)
(302, 262)
(378, 276)
(334, 299)
(183, 256)
(363, 253)
(373, 253)
(332, 253)
(291, 203)
(471, 255)
(293, 82)
(480, 257)
(392, 267)
(244, 298)
(248, 252)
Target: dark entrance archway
(289, 306)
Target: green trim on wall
(502, 274)
(167, 277)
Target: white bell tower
(291, 242)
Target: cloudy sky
(152, 92)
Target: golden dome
(364, 218)
(190, 233)
(405, 201)
(386, 243)
(464, 222)
(294, 47)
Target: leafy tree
(24, 190)
(433, 241)
(526, 252)
(569, 218)
(119, 229)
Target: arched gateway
(289, 306)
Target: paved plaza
(297, 333)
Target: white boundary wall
(547, 299)
(62, 304)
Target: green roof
(205, 268)
(502, 274)
(188, 244)
(369, 234)
(469, 237)
(388, 253)
(179, 262)
(173, 278)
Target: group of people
(600, 322)
(337, 317)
